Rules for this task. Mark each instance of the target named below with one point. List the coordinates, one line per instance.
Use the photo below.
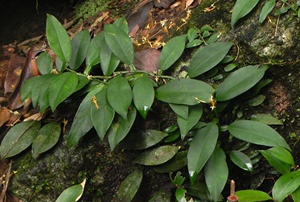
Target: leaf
(160, 195)
(185, 125)
(82, 123)
(174, 164)
(180, 110)
(185, 91)
(296, 195)
(101, 113)
(61, 88)
(252, 196)
(216, 173)
(72, 194)
(93, 53)
(256, 101)
(241, 160)
(119, 43)
(266, 119)
(192, 34)
(201, 148)
(44, 63)
(28, 86)
(241, 9)
(47, 137)
(129, 187)
(171, 52)
(18, 138)
(286, 185)
(143, 95)
(239, 82)
(80, 45)
(120, 129)
(256, 133)
(143, 139)
(267, 8)
(180, 195)
(281, 166)
(157, 155)
(5, 115)
(119, 95)
(282, 154)
(230, 67)
(58, 39)
(43, 91)
(122, 24)
(208, 57)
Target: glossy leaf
(230, 67)
(257, 133)
(143, 95)
(185, 125)
(157, 155)
(185, 91)
(101, 113)
(47, 137)
(281, 166)
(44, 63)
(267, 8)
(58, 39)
(216, 173)
(80, 45)
(241, 160)
(171, 52)
(296, 195)
(180, 110)
(129, 187)
(239, 82)
(119, 43)
(180, 195)
(61, 88)
(82, 122)
(201, 149)
(120, 129)
(241, 9)
(208, 57)
(252, 196)
(18, 138)
(72, 194)
(286, 185)
(119, 95)
(122, 24)
(93, 53)
(266, 119)
(174, 164)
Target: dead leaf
(147, 60)
(163, 3)
(4, 115)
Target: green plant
(113, 99)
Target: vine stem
(232, 197)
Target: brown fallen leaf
(163, 3)
(4, 115)
(147, 60)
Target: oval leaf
(93, 52)
(185, 91)
(252, 196)
(58, 39)
(129, 187)
(174, 164)
(266, 119)
(256, 133)
(201, 148)
(72, 194)
(171, 52)
(241, 9)
(282, 154)
(157, 156)
(241, 160)
(44, 63)
(268, 7)
(239, 82)
(180, 110)
(281, 166)
(208, 57)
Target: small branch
(232, 197)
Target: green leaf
(160, 195)
(143, 139)
(129, 187)
(296, 195)
(230, 67)
(171, 52)
(201, 149)
(185, 91)
(119, 95)
(101, 113)
(252, 196)
(286, 185)
(208, 57)
(47, 137)
(157, 155)
(256, 101)
(93, 52)
(174, 164)
(72, 194)
(28, 87)
(241, 9)
(239, 82)
(122, 24)
(18, 138)
(43, 91)
(192, 34)
(241, 160)
(119, 43)
(82, 123)
(180, 195)
(58, 39)
(44, 63)
(256, 133)
(266, 119)
(216, 173)
(282, 154)
(120, 129)
(180, 110)
(143, 95)
(80, 45)
(185, 125)
(281, 166)
(268, 7)
(61, 88)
